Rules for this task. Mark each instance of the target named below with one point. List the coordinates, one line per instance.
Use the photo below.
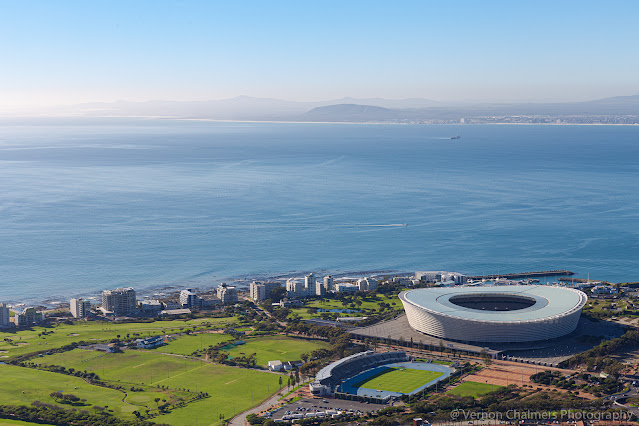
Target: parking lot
(327, 408)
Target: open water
(92, 204)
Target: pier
(523, 274)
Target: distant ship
(456, 137)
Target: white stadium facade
(496, 314)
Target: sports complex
(377, 377)
(516, 313)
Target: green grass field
(472, 389)
(232, 389)
(270, 348)
(187, 344)
(26, 341)
(7, 422)
(400, 380)
(131, 366)
(365, 308)
(37, 385)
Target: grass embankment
(473, 389)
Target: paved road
(240, 419)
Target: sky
(66, 52)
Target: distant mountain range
(348, 109)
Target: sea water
(87, 205)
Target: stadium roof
(550, 301)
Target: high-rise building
(227, 294)
(295, 288)
(4, 315)
(319, 288)
(120, 301)
(188, 299)
(309, 283)
(367, 284)
(328, 283)
(79, 308)
(260, 291)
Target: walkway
(240, 419)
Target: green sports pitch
(401, 380)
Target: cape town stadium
(518, 313)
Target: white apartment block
(261, 291)
(188, 299)
(367, 284)
(328, 283)
(120, 301)
(79, 308)
(227, 294)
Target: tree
(157, 400)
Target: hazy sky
(60, 52)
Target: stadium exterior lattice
(518, 313)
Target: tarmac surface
(320, 405)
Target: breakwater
(523, 274)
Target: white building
(151, 307)
(27, 317)
(367, 284)
(227, 294)
(309, 282)
(319, 288)
(276, 365)
(188, 299)
(328, 283)
(604, 289)
(120, 301)
(261, 291)
(440, 276)
(79, 308)
(5, 316)
(295, 288)
(349, 287)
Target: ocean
(91, 204)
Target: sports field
(472, 389)
(402, 380)
(270, 348)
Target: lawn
(232, 389)
(472, 389)
(7, 422)
(187, 344)
(131, 366)
(400, 380)
(366, 307)
(32, 340)
(270, 348)
(37, 385)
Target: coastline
(172, 289)
(217, 120)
